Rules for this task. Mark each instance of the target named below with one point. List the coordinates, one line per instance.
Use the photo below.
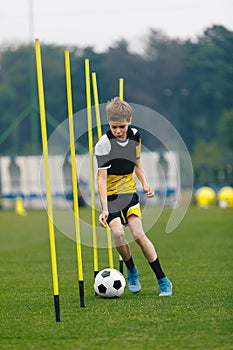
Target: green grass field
(197, 257)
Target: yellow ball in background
(225, 197)
(205, 196)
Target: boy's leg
(123, 249)
(148, 249)
(121, 244)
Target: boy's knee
(141, 239)
(118, 233)
(138, 235)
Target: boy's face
(119, 129)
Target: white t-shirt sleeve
(102, 150)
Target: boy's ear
(130, 121)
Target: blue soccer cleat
(165, 287)
(134, 285)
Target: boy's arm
(139, 171)
(102, 191)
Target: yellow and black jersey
(119, 158)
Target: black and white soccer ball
(109, 283)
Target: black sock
(129, 263)
(155, 265)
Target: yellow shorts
(122, 206)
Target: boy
(118, 158)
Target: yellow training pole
(121, 96)
(121, 89)
(74, 177)
(90, 145)
(96, 102)
(47, 179)
(99, 133)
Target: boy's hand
(149, 191)
(103, 218)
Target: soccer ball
(109, 283)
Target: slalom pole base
(95, 274)
(121, 266)
(81, 293)
(57, 308)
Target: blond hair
(117, 110)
